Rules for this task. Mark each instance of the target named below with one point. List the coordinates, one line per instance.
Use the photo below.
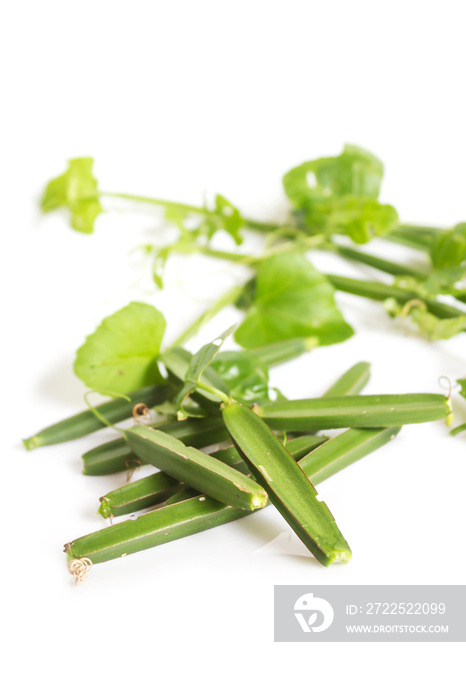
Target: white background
(175, 100)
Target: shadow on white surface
(272, 540)
(259, 528)
(286, 543)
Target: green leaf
(224, 216)
(438, 282)
(121, 355)
(231, 219)
(200, 361)
(423, 321)
(444, 281)
(357, 217)
(248, 294)
(354, 172)
(76, 190)
(412, 284)
(449, 247)
(279, 395)
(245, 375)
(462, 383)
(292, 300)
(176, 214)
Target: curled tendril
(412, 303)
(80, 569)
(131, 469)
(445, 384)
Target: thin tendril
(131, 470)
(445, 384)
(97, 413)
(80, 569)
(410, 305)
(441, 382)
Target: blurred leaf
(223, 217)
(444, 281)
(422, 320)
(449, 247)
(438, 282)
(231, 219)
(355, 172)
(176, 215)
(292, 300)
(357, 217)
(76, 190)
(247, 296)
(462, 383)
(121, 355)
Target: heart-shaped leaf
(121, 355)
(292, 300)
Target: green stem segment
(151, 529)
(298, 447)
(379, 411)
(195, 468)
(391, 268)
(417, 237)
(351, 382)
(143, 493)
(380, 292)
(282, 351)
(286, 484)
(88, 422)
(117, 456)
(459, 429)
(343, 450)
